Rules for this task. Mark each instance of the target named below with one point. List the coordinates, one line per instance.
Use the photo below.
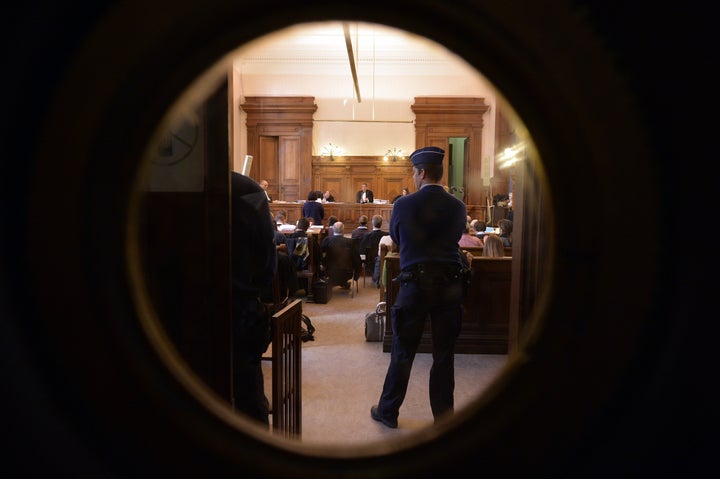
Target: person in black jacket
(253, 269)
(364, 195)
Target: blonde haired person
(494, 247)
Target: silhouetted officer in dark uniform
(427, 226)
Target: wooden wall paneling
(392, 187)
(330, 177)
(265, 166)
(289, 151)
(477, 212)
(304, 157)
(334, 185)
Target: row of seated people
(307, 257)
(493, 247)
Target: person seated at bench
(361, 229)
(341, 258)
(494, 247)
(468, 238)
(480, 227)
(506, 229)
(298, 244)
(370, 246)
(389, 244)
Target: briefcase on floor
(375, 323)
(322, 292)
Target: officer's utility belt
(430, 272)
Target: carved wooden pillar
(279, 131)
(439, 118)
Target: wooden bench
(486, 308)
(478, 250)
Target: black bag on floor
(375, 323)
(322, 292)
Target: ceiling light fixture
(331, 151)
(394, 154)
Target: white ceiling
(382, 54)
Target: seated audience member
(341, 259)
(299, 245)
(281, 222)
(369, 245)
(279, 238)
(506, 228)
(313, 209)
(280, 217)
(405, 192)
(493, 247)
(332, 233)
(361, 229)
(387, 241)
(511, 211)
(301, 228)
(392, 251)
(480, 227)
(286, 270)
(327, 197)
(468, 238)
(327, 231)
(299, 258)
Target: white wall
(382, 120)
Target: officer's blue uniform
(427, 226)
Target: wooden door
(268, 167)
(289, 154)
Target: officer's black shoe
(375, 414)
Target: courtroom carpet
(342, 376)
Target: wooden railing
(286, 357)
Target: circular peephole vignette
(199, 93)
(556, 152)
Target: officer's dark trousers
(441, 300)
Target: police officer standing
(427, 226)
